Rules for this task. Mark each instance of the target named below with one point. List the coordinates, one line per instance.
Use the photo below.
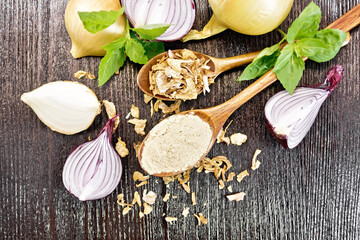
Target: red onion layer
(179, 13)
(290, 117)
(93, 169)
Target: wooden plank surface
(310, 192)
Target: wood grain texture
(310, 192)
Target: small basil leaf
(110, 63)
(151, 31)
(306, 25)
(97, 21)
(261, 64)
(285, 55)
(119, 43)
(290, 73)
(135, 51)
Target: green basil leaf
(261, 64)
(285, 55)
(306, 25)
(135, 51)
(117, 44)
(96, 21)
(323, 47)
(153, 48)
(110, 63)
(291, 72)
(151, 31)
(310, 47)
(334, 39)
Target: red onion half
(179, 13)
(93, 169)
(290, 117)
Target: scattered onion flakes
(80, 74)
(255, 164)
(111, 112)
(134, 111)
(121, 201)
(140, 125)
(193, 198)
(201, 219)
(221, 184)
(170, 220)
(166, 197)
(241, 175)
(229, 188)
(237, 196)
(137, 199)
(147, 209)
(126, 210)
(141, 184)
(185, 212)
(218, 165)
(221, 136)
(238, 138)
(147, 98)
(149, 197)
(120, 147)
(175, 107)
(138, 176)
(137, 147)
(231, 176)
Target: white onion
(179, 13)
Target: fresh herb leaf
(135, 51)
(334, 39)
(285, 55)
(151, 31)
(306, 25)
(261, 64)
(323, 47)
(115, 45)
(290, 72)
(97, 21)
(111, 63)
(153, 48)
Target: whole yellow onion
(253, 17)
(85, 43)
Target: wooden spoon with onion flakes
(217, 66)
(217, 116)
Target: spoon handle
(223, 111)
(224, 64)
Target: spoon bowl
(217, 66)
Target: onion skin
(93, 170)
(180, 14)
(290, 117)
(85, 43)
(243, 16)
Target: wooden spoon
(217, 65)
(217, 116)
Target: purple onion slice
(290, 117)
(179, 13)
(93, 169)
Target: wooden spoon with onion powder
(179, 142)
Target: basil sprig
(304, 40)
(138, 49)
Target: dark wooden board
(310, 192)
